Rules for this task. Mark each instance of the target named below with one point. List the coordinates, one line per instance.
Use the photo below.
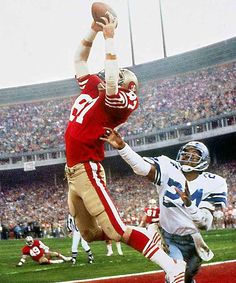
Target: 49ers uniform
(152, 214)
(92, 111)
(36, 251)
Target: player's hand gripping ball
(100, 9)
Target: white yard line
(136, 274)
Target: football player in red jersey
(151, 214)
(103, 102)
(40, 253)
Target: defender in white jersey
(187, 197)
(76, 239)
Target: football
(99, 10)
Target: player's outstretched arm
(83, 51)
(136, 162)
(111, 63)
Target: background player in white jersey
(187, 197)
(76, 239)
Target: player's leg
(50, 254)
(193, 266)
(79, 188)
(192, 258)
(98, 202)
(118, 247)
(87, 249)
(155, 228)
(76, 237)
(182, 247)
(86, 223)
(109, 247)
(45, 260)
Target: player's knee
(107, 227)
(44, 260)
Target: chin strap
(200, 167)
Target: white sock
(56, 261)
(118, 246)
(109, 248)
(163, 260)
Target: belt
(72, 170)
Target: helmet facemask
(197, 160)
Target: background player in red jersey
(40, 253)
(105, 102)
(151, 214)
(150, 220)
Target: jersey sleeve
(89, 84)
(25, 250)
(43, 246)
(121, 103)
(218, 193)
(162, 163)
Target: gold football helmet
(128, 80)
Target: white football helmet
(127, 79)
(29, 241)
(184, 157)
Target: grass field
(222, 242)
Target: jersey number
(151, 212)
(197, 195)
(81, 106)
(34, 251)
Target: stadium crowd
(40, 208)
(178, 100)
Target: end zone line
(137, 274)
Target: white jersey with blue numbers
(206, 190)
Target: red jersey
(92, 111)
(152, 214)
(36, 251)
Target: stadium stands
(179, 100)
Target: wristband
(90, 36)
